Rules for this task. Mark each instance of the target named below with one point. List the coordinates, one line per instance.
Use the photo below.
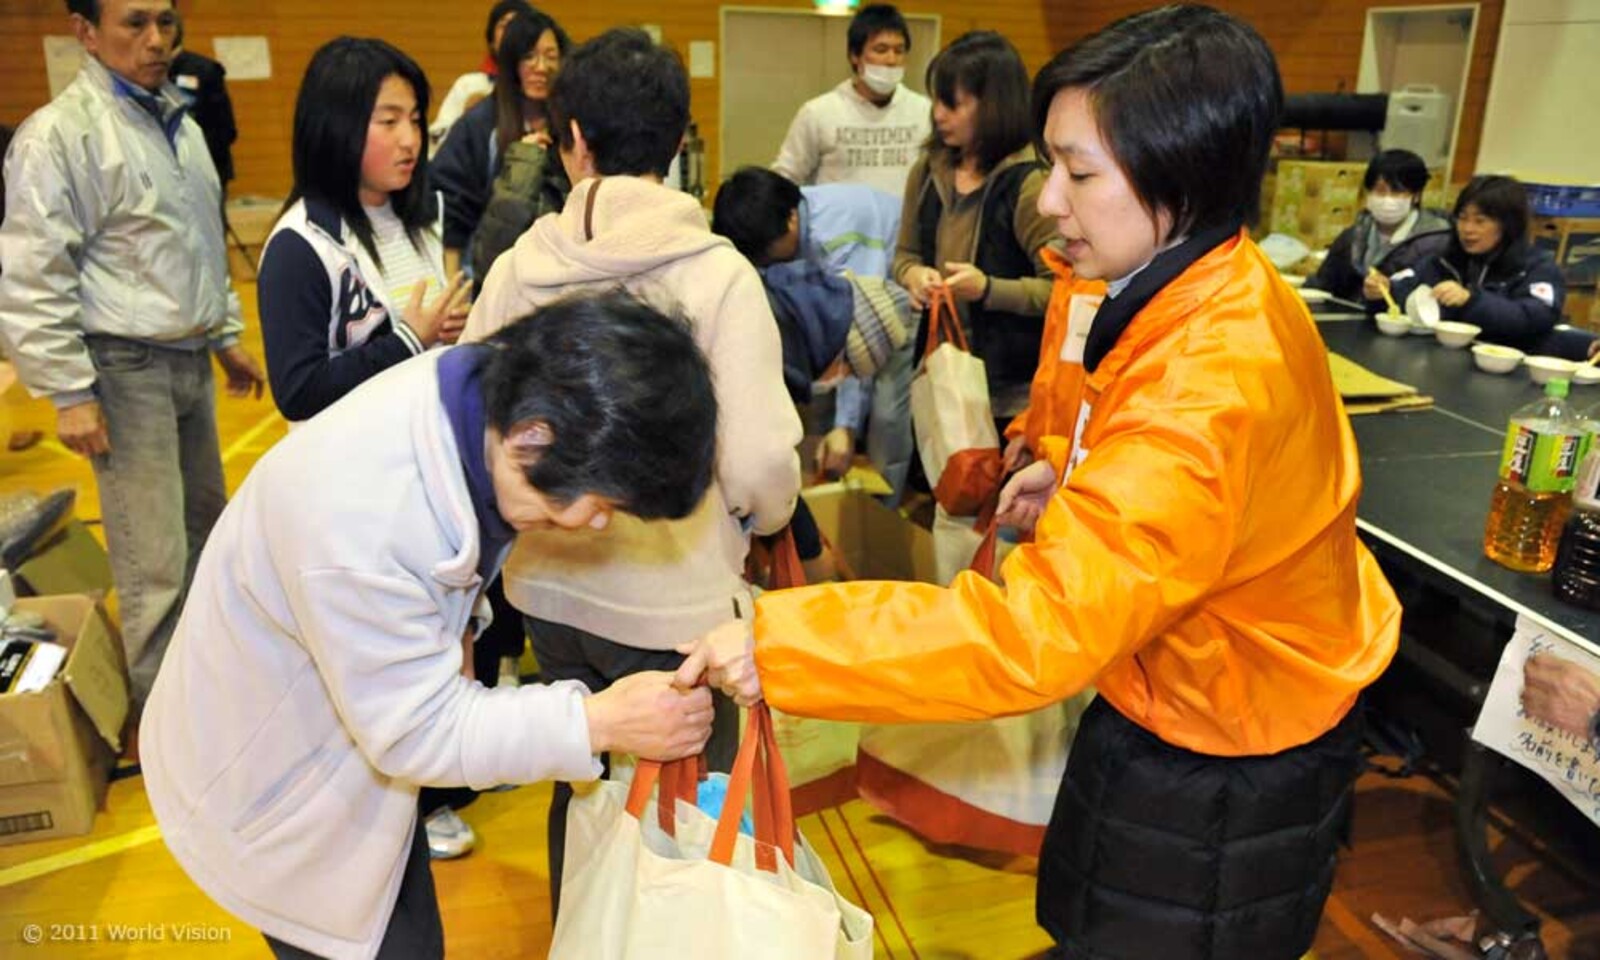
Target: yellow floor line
(249, 436)
(78, 856)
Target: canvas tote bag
(654, 880)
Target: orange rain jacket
(1199, 566)
(1053, 396)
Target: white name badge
(1079, 451)
(1080, 317)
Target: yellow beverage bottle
(1538, 468)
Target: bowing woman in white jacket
(314, 682)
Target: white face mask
(1389, 211)
(880, 79)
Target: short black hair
(331, 116)
(1400, 169)
(626, 393)
(1502, 199)
(752, 209)
(987, 67)
(87, 9)
(1188, 99)
(521, 38)
(630, 98)
(499, 10)
(871, 20)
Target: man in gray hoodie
(606, 604)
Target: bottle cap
(1557, 388)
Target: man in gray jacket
(114, 294)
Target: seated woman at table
(1490, 275)
(1390, 234)
(1186, 562)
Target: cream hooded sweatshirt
(657, 584)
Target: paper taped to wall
(245, 58)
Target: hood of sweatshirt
(612, 228)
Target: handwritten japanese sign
(1569, 762)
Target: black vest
(1007, 344)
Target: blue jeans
(890, 444)
(161, 486)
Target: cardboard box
(57, 746)
(877, 542)
(1580, 252)
(71, 562)
(1315, 200)
(1582, 308)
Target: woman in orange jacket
(1195, 556)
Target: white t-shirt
(842, 137)
(404, 266)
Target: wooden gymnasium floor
(929, 902)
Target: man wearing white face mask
(1391, 232)
(869, 128)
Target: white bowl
(1493, 358)
(1586, 374)
(1456, 335)
(1310, 295)
(1545, 369)
(1394, 326)
(1422, 307)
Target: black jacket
(464, 172)
(1517, 293)
(201, 80)
(1158, 852)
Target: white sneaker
(509, 673)
(448, 835)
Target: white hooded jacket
(656, 584)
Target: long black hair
(988, 68)
(331, 116)
(520, 39)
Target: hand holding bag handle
(944, 323)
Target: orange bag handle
(983, 561)
(679, 779)
(787, 570)
(944, 325)
(759, 771)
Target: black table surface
(1428, 474)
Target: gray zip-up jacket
(113, 226)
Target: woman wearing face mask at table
(1490, 275)
(1392, 232)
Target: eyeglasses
(551, 60)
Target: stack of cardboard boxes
(1575, 243)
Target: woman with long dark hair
(344, 272)
(1185, 561)
(1492, 276)
(344, 277)
(496, 171)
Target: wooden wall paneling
(1317, 43)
